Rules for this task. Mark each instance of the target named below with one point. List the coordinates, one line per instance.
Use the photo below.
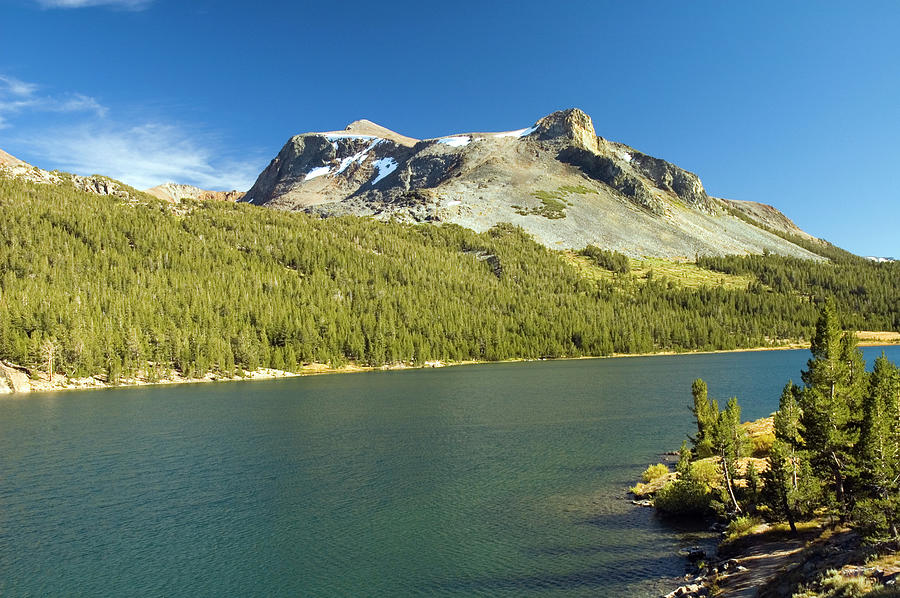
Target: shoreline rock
(13, 380)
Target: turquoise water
(491, 480)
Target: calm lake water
(491, 480)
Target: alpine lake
(487, 480)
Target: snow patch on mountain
(317, 172)
(457, 141)
(880, 260)
(517, 132)
(385, 167)
(358, 157)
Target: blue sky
(796, 104)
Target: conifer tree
(48, 352)
(790, 488)
(779, 485)
(878, 449)
(788, 428)
(834, 381)
(751, 493)
(729, 443)
(706, 413)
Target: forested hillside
(109, 286)
(867, 292)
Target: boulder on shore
(13, 380)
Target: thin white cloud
(15, 95)
(16, 87)
(76, 133)
(124, 4)
(77, 103)
(18, 96)
(144, 156)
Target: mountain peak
(363, 124)
(571, 123)
(367, 127)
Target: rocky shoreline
(19, 380)
(768, 561)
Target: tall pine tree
(729, 443)
(791, 490)
(878, 449)
(706, 412)
(835, 383)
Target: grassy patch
(576, 189)
(873, 336)
(761, 434)
(545, 195)
(688, 274)
(683, 274)
(553, 203)
(655, 477)
(835, 585)
(740, 527)
(654, 471)
(552, 206)
(552, 209)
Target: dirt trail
(757, 565)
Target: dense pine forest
(868, 294)
(116, 287)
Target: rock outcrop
(557, 179)
(99, 185)
(14, 168)
(13, 380)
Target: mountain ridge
(175, 192)
(557, 179)
(8, 160)
(12, 167)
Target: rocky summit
(557, 179)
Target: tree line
(120, 287)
